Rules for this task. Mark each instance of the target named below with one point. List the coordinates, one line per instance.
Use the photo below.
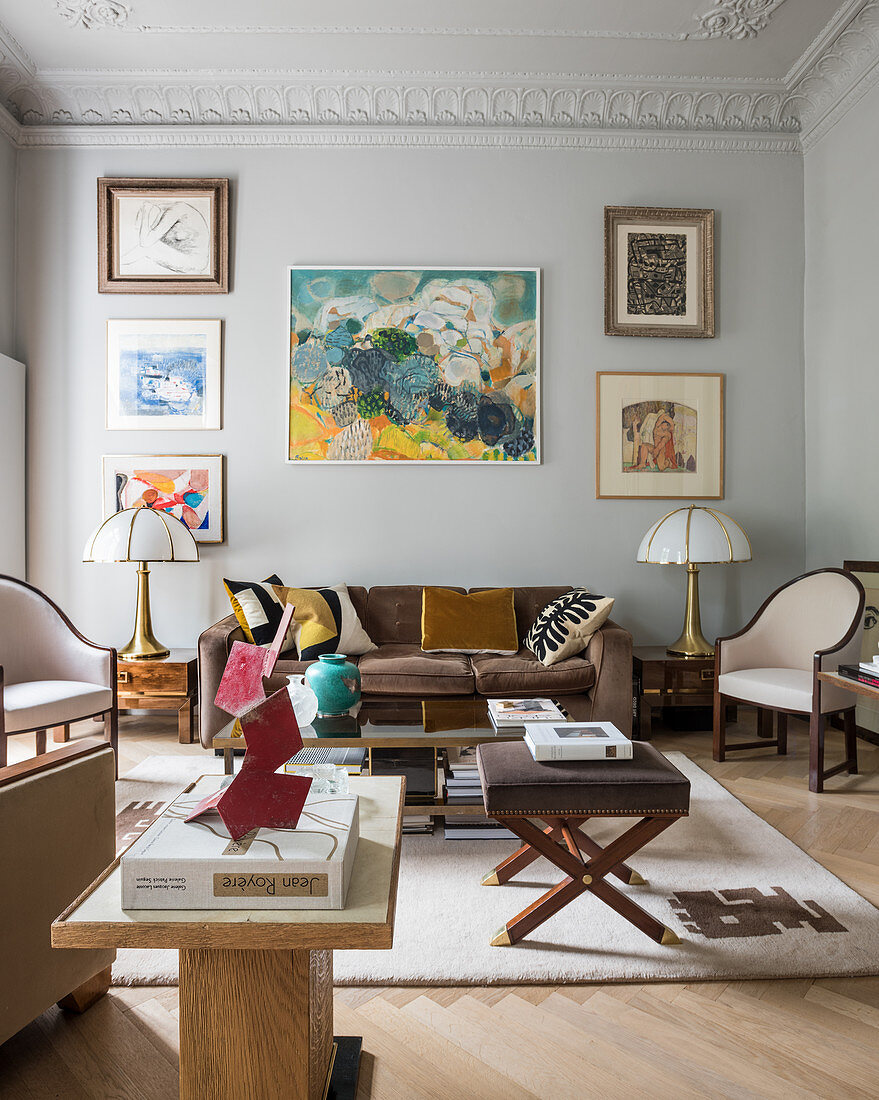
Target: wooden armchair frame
(817, 718)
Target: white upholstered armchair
(50, 675)
(811, 624)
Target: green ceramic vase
(336, 683)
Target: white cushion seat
(787, 689)
(41, 704)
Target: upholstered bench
(563, 795)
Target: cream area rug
(746, 902)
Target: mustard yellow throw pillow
(481, 622)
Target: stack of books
(516, 712)
(577, 741)
(352, 760)
(866, 672)
(464, 788)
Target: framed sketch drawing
(163, 236)
(394, 364)
(867, 572)
(164, 374)
(188, 487)
(658, 271)
(659, 436)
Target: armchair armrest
(610, 651)
(213, 651)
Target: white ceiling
(766, 69)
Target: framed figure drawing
(163, 236)
(394, 364)
(658, 271)
(659, 436)
(867, 572)
(164, 374)
(188, 487)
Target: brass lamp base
(692, 642)
(143, 644)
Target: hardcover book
(177, 864)
(577, 741)
(516, 712)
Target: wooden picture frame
(658, 271)
(189, 487)
(659, 436)
(867, 572)
(163, 236)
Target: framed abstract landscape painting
(394, 364)
(659, 436)
(658, 271)
(164, 374)
(189, 487)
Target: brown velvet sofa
(391, 615)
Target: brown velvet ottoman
(564, 795)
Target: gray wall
(842, 378)
(8, 155)
(384, 524)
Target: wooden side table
(660, 680)
(167, 684)
(256, 985)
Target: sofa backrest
(393, 612)
(358, 596)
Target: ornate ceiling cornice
(306, 108)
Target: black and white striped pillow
(564, 626)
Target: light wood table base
(255, 1023)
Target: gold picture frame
(169, 483)
(659, 435)
(163, 236)
(658, 271)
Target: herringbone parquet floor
(716, 1039)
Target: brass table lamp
(694, 536)
(141, 535)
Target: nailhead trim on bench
(589, 813)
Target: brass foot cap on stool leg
(502, 938)
(490, 879)
(637, 880)
(669, 939)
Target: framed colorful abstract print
(189, 487)
(401, 364)
(164, 375)
(163, 236)
(867, 572)
(658, 271)
(659, 436)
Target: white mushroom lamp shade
(142, 535)
(694, 536)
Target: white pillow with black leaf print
(564, 626)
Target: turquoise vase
(335, 682)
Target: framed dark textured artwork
(163, 236)
(658, 271)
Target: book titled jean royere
(177, 864)
(577, 741)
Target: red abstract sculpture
(258, 797)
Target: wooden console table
(170, 683)
(256, 986)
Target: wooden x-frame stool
(564, 795)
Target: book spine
(580, 752)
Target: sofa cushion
(523, 674)
(402, 669)
(564, 626)
(393, 613)
(479, 622)
(324, 621)
(529, 602)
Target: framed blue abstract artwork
(401, 364)
(164, 374)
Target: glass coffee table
(403, 725)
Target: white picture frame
(164, 374)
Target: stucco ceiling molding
(93, 14)
(390, 103)
(736, 19)
(399, 137)
(842, 74)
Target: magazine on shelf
(516, 712)
(577, 741)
